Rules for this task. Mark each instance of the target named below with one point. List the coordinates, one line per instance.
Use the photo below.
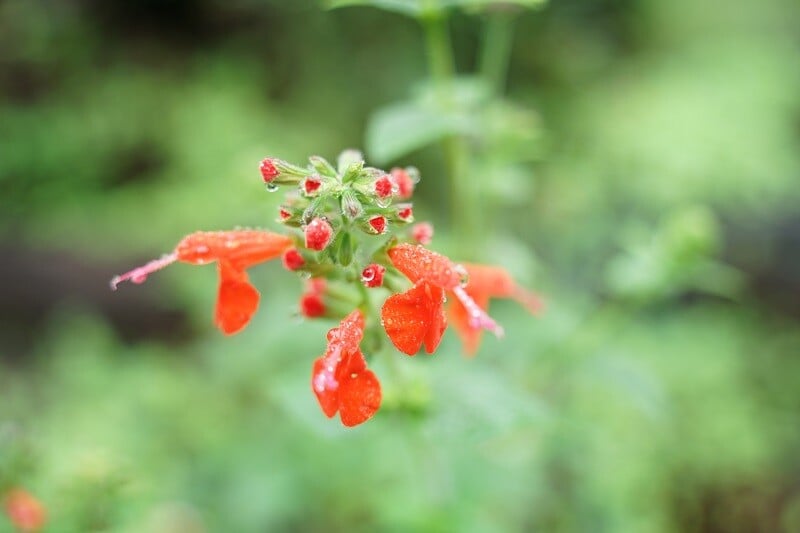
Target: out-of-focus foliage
(641, 171)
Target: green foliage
(658, 391)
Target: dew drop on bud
(271, 187)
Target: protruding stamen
(139, 275)
(478, 319)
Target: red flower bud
(422, 233)
(406, 213)
(311, 185)
(284, 214)
(372, 276)
(404, 183)
(292, 260)
(378, 223)
(312, 305)
(318, 234)
(268, 170)
(383, 187)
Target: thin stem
(442, 70)
(496, 50)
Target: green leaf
(396, 130)
(411, 8)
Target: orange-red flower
(486, 282)
(234, 251)
(24, 510)
(416, 317)
(340, 378)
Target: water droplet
(271, 187)
(463, 275)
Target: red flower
(416, 317)
(234, 251)
(340, 379)
(406, 213)
(24, 511)
(486, 282)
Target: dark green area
(640, 168)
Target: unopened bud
(318, 234)
(268, 170)
(404, 180)
(292, 259)
(383, 187)
(322, 166)
(351, 207)
(347, 158)
(378, 224)
(422, 233)
(311, 185)
(405, 213)
(372, 275)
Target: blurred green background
(640, 169)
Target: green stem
(442, 70)
(496, 50)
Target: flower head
(312, 303)
(378, 224)
(340, 378)
(311, 185)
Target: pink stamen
(478, 319)
(139, 275)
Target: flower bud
(268, 170)
(347, 158)
(351, 207)
(378, 224)
(311, 185)
(322, 166)
(372, 275)
(405, 213)
(292, 259)
(404, 180)
(422, 233)
(383, 187)
(318, 234)
(312, 305)
(24, 511)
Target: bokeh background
(640, 167)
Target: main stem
(496, 50)
(442, 70)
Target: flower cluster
(349, 230)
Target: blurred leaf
(422, 8)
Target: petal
(241, 248)
(347, 336)
(237, 299)
(438, 322)
(408, 318)
(327, 394)
(490, 281)
(359, 393)
(418, 263)
(470, 338)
